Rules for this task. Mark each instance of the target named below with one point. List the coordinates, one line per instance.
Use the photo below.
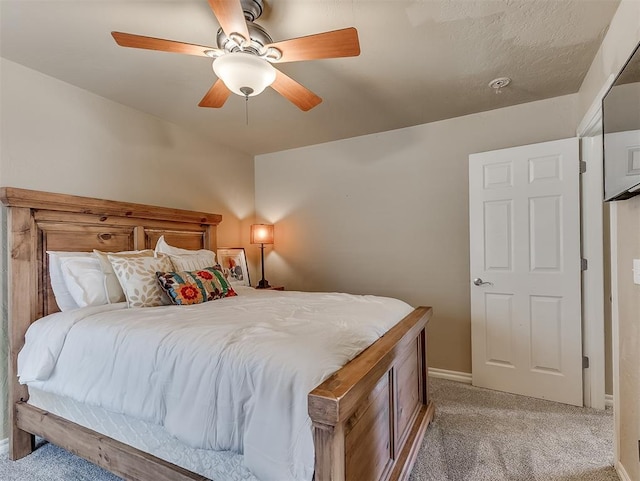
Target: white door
(524, 211)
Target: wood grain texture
(407, 456)
(335, 399)
(22, 275)
(329, 448)
(334, 44)
(14, 197)
(369, 440)
(216, 96)
(160, 44)
(230, 16)
(378, 404)
(407, 393)
(300, 96)
(121, 459)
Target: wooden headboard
(42, 221)
(38, 222)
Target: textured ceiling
(421, 61)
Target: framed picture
(234, 265)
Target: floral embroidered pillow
(195, 287)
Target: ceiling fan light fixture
(244, 72)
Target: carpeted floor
(483, 435)
(477, 435)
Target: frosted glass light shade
(241, 71)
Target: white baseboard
(4, 446)
(457, 376)
(622, 472)
(608, 400)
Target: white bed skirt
(147, 437)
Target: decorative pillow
(85, 280)
(111, 283)
(64, 299)
(195, 287)
(185, 259)
(137, 276)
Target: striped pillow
(193, 262)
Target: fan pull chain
(246, 108)
(246, 91)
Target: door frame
(591, 197)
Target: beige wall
(628, 348)
(621, 39)
(388, 213)
(58, 138)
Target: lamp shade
(244, 73)
(262, 234)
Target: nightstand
(272, 288)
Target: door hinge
(585, 362)
(584, 265)
(583, 166)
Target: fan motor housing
(252, 9)
(259, 38)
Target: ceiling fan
(245, 53)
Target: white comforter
(232, 374)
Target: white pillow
(63, 297)
(137, 276)
(85, 280)
(111, 282)
(204, 255)
(193, 262)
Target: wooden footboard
(369, 418)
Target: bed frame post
(329, 445)
(22, 307)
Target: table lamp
(262, 234)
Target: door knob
(479, 282)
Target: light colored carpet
(483, 435)
(477, 435)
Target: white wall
(58, 138)
(388, 213)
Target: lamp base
(263, 284)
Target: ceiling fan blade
(216, 96)
(334, 44)
(230, 16)
(151, 43)
(297, 94)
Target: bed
(375, 408)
